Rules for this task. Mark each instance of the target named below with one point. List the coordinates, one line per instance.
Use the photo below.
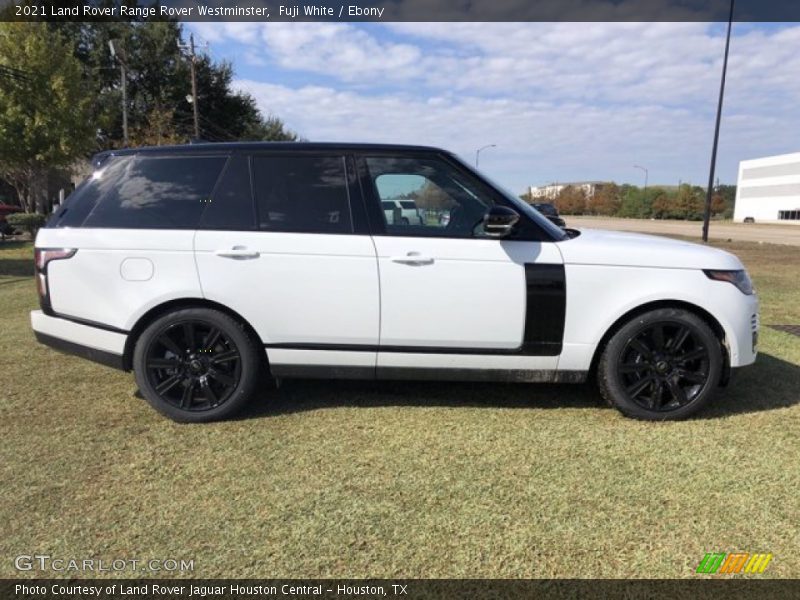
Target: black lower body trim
(321, 372)
(99, 356)
(527, 349)
(427, 374)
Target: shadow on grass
(16, 267)
(10, 243)
(770, 384)
(298, 395)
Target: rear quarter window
(144, 192)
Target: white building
(768, 190)
(552, 190)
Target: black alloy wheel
(664, 366)
(661, 365)
(196, 365)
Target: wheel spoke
(639, 346)
(168, 384)
(209, 393)
(211, 339)
(677, 392)
(658, 337)
(169, 344)
(633, 367)
(189, 337)
(679, 339)
(699, 352)
(221, 377)
(188, 394)
(692, 376)
(163, 363)
(224, 357)
(639, 386)
(656, 399)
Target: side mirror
(499, 221)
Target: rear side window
(303, 194)
(231, 207)
(74, 210)
(154, 192)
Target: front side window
(158, 192)
(302, 194)
(427, 197)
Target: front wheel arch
(712, 322)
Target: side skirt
(426, 374)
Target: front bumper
(93, 343)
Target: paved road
(738, 232)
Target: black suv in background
(551, 212)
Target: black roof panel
(302, 146)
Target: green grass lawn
(361, 479)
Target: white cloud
(576, 100)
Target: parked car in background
(198, 267)
(551, 212)
(403, 212)
(5, 210)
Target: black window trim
(529, 231)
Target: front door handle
(413, 258)
(237, 252)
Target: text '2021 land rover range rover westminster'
(198, 266)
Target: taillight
(41, 258)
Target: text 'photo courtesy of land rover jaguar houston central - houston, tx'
(198, 267)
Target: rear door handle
(237, 252)
(413, 258)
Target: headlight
(738, 278)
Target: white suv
(198, 266)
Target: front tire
(661, 365)
(196, 365)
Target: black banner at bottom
(406, 589)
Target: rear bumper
(92, 343)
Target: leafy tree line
(612, 200)
(61, 99)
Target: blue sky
(561, 101)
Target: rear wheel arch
(710, 320)
(180, 304)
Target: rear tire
(661, 365)
(196, 365)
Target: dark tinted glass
(158, 192)
(306, 194)
(232, 205)
(82, 201)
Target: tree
(718, 204)
(605, 201)
(45, 118)
(571, 201)
(158, 83)
(689, 202)
(663, 206)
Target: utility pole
(646, 175)
(194, 87)
(479, 150)
(709, 190)
(192, 66)
(119, 55)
